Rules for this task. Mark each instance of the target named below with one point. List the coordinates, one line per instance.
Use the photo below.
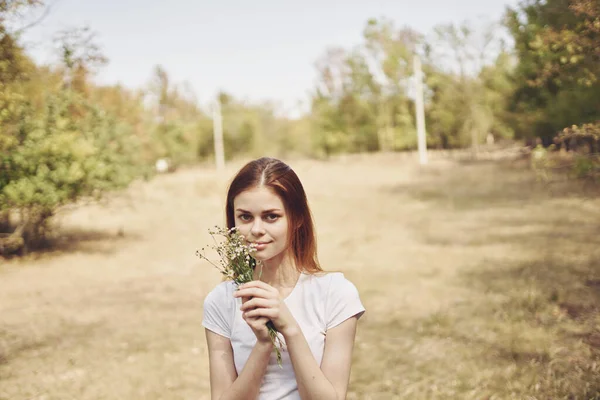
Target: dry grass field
(479, 281)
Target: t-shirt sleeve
(217, 311)
(343, 301)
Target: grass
(480, 282)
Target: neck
(279, 272)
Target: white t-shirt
(317, 302)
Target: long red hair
(283, 181)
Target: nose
(257, 229)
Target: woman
(316, 313)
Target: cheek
(282, 230)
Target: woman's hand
(265, 304)
(259, 327)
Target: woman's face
(260, 216)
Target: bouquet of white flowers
(238, 264)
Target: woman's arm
(225, 384)
(330, 380)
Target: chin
(266, 255)
(263, 257)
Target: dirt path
(115, 311)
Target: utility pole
(218, 135)
(420, 110)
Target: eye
(245, 217)
(272, 217)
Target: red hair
(283, 181)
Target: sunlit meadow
(480, 282)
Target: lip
(260, 245)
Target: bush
(582, 139)
(68, 151)
(584, 142)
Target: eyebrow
(264, 212)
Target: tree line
(532, 75)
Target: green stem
(277, 343)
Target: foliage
(364, 97)
(361, 102)
(52, 158)
(584, 140)
(64, 137)
(559, 63)
(469, 77)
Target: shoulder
(331, 279)
(220, 295)
(332, 283)
(341, 285)
(340, 298)
(219, 309)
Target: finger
(268, 313)
(255, 303)
(257, 284)
(252, 292)
(257, 323)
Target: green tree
(55, 147)
(80, 56)
(176, 119)
(55, 159)
(391, 52)
(361, 101)
(468, 75)
(557, 76)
